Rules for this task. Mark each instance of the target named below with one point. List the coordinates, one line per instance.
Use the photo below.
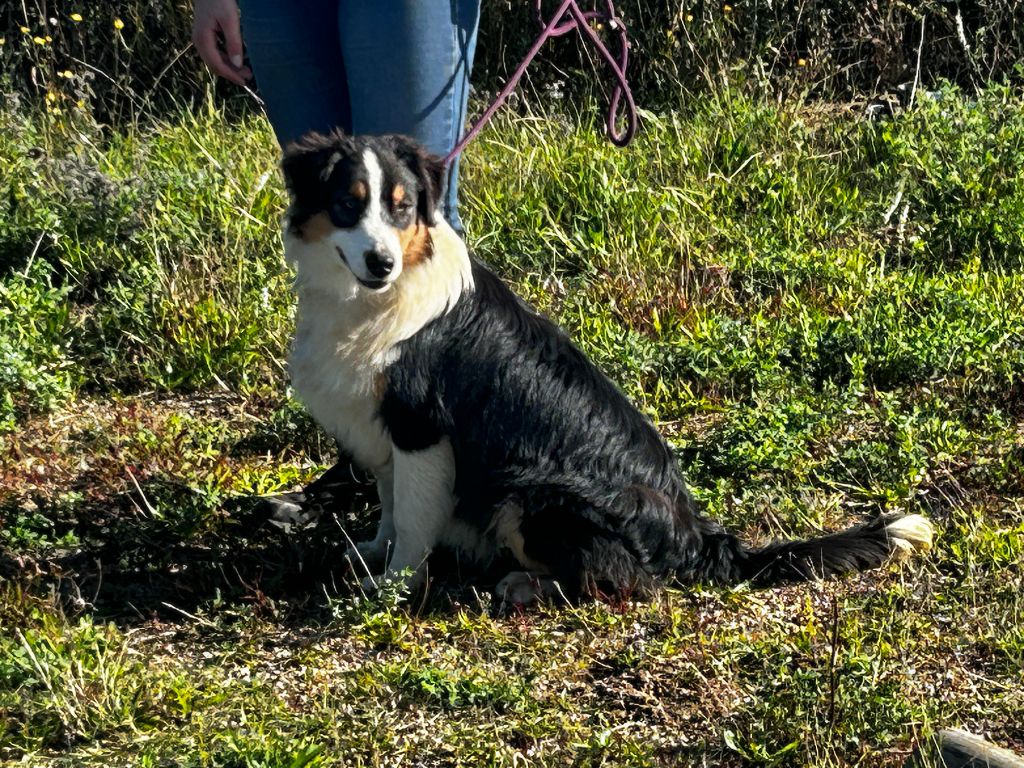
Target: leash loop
(567, 18)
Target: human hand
(214, 19)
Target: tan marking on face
(416, 244)
(358, 190)
(316, 228)
(398, 194)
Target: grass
(824, 315)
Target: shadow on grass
(167, 549)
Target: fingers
(224, 63)
(231, 29)
(206, 44)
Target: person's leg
(296, 60)
(408, 64)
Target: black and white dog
(484, 425)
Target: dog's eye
(403, 206)
(346, 208)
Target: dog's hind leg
(621, 548)
(576, 562)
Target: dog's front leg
(424, 483)
(371, 556)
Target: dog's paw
(399, 583)
(368, 556)
(290, 511)
(520, 588)
(370, 584)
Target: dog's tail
(724, 559)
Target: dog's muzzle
(378, 265)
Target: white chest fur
(346, 335)
(339, 386)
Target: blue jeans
(367, 67)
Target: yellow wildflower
(727, 8)
(689, 18)
(118, 24)
(76, 17)
(801, 62)
(38, 40)
(24, 30)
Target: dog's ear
(304, 161)
(429, 170)
(304, 164)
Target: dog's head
(372, 198)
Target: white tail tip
(909, 534)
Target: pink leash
(558, 26)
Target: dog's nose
(379, 264)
